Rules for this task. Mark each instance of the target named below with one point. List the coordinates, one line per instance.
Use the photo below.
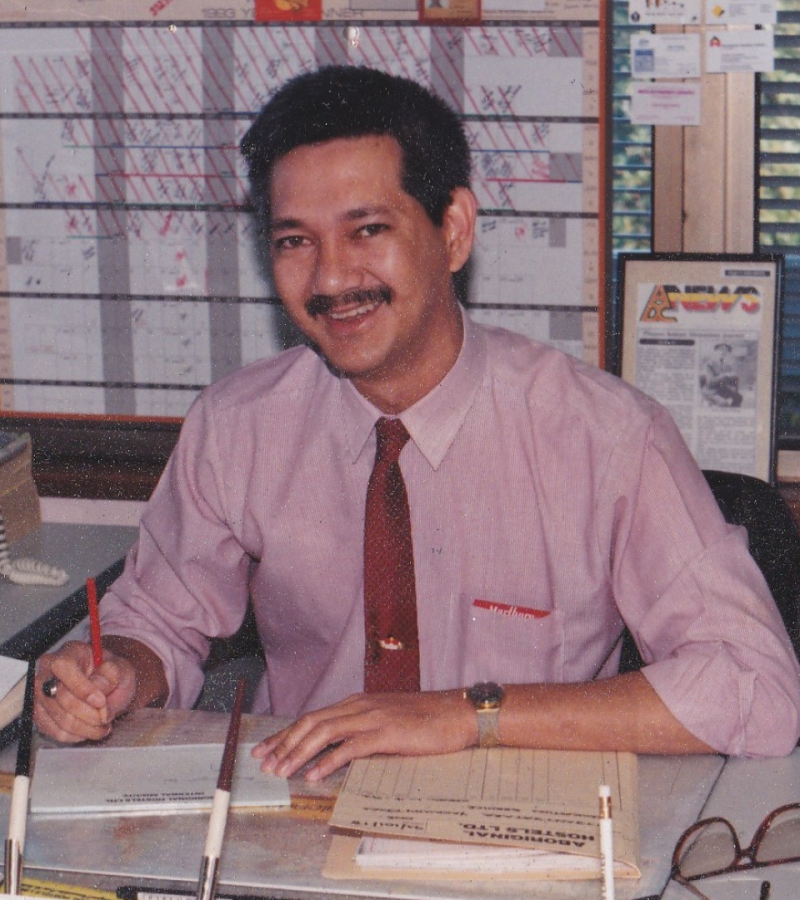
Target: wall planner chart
(129, 279)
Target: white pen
(606, 842)
(15, 841)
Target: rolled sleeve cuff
(727, 706)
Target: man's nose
(334, 270)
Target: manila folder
(544, 803)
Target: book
(98, 780)
(502, 812)
(19, 499)
(12, 688)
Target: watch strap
(489, 727)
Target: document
(452, 813)
(12, 688)
(78, 781)
(668, 56)
(665, 103)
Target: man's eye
(372, 229)
(289, 242)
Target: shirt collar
(433, 421)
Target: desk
(747, 791)
(32, 619)
(280, 854)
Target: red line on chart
(29, 84)
(244, 70)
(277, 45)
(403, 33)
(117, 101)
(374, 45)
(132, 72)
(401, 59)
(57, 78)
(191, 59)
(208, 64)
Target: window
(632, 162)
(779, 201)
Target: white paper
(741, 12)
(666, 12)
(133, 780)
(740, 51)
(665, 56)
(400, 853)
(665, 103)
(11, 672)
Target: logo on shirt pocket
(508, 609)
(506, 641)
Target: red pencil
(94, 622)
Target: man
(549, 503)
(719, 380)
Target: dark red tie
(390, 602)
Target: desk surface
(746, 792)
(32, 619)
(282, 853)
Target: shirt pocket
(507, 642)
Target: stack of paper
(502, 812)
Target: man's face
(361, 269)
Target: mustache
(320, 304)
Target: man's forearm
(151, 683)
(619, 713)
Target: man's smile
(348, 305)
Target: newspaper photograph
(700, 337)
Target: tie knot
(392, 437)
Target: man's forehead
(360, 176)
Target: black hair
(348, 101)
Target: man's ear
(458, 226)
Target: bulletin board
(129, 279)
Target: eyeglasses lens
(782, 838)
(712, 848)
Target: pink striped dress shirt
(550, 504)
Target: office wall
(129, 273)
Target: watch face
(486, 695)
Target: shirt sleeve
(186, 579)
(715, 646)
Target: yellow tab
(38, 888)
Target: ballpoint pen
(209, 865)
(15, 841)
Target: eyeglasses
(711, 847)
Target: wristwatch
(486, 697)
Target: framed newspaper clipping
(700, 335)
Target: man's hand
(619, 713)
(87, 700)
(365, 724)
